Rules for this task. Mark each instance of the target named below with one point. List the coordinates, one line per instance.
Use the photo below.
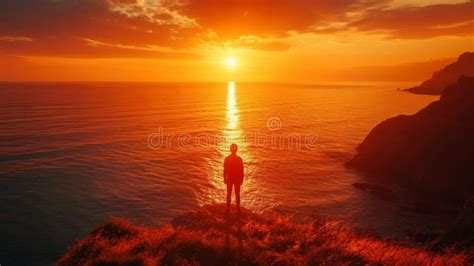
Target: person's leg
(237, 195)
(229, 194)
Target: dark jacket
(233, 169)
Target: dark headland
(464, 66)
(431, 152)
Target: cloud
(234, 18)
(142, 28)
(74, 47)
(154, 11)
(95, 19)
(257, 43)
(248, 42)
(15, 39)
(415, 22)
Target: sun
(231, 62)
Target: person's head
(233, 148)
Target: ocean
(73, 155)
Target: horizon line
(318, 83)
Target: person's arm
(242, 172)
(225, 171)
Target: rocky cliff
(431, 151)
(464, 66)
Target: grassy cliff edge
(207, 236)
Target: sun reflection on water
(232, 109)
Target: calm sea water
(75, 155)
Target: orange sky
(302, 41)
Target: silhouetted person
(233, 175)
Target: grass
(208, 236)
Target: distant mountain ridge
(431, 151)
(464, 66)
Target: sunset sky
(266, 40)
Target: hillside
(464, 66)
(207, 236)
(431, 151)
